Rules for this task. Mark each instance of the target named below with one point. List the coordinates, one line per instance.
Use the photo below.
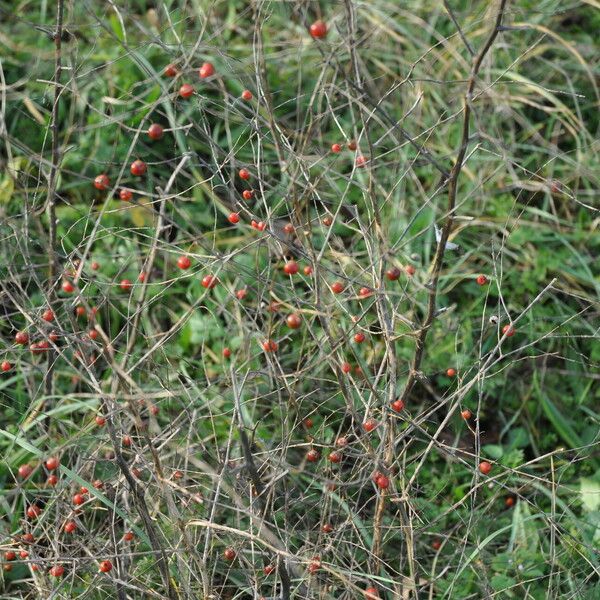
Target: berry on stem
(171, 70)
(293, 321)
(138, 168)
(101, 182)
(105, 566)
(318, 29)
(155, 131)
(485, 467)
(126, 195)
(206, 70)
(290, 267)
(184, 262)
(186, 90)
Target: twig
(438, 260)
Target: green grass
(526, 216)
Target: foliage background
(205, 430)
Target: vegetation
(323, 324)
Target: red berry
(98, 484)
(359, 337)
(92, 334)
(365, 292)
(101, 182)
(260, 225)
(95, 266)
(308, 423)
(509, 502)
(293, 321)
(369, 425)
(290, 267)
(125, 285)
(318, 29)
(334, 457)
(337, 287)
(234, 218)
(128, 536)
(555, 186)
(397, 405)
(508, 330)
(327, 221)
(171, 70)
(155, 131)
(25, 471)
(485, 467)
(21, 338)
(244, 174)
(313, 455)
(346, 367)
(229, 553)
(206, 70)
(80, 311)
(52, 463)
(481, 279)
(288, 228)
(57, 571)
(269, 346)
(247, 95)
(341, 442)
(209, 281)
(78, 499)
(126, 441)
(100, 421)
(314, 565)
(241, 294)
(248, 194)
(393, 273)
(466, 414)
(352, 145)
(52, 480)
(383, 482)
(371, 593)
(186, 90)
(5, 366)
(70, 526)
(24, 554)
(451, 372)
(268, 569)
(10, 555)
(28, 538)
(67, 287)
(336, 148)
(410, 270)
(105, 566)
(226, 352)
(142, 277)
(360, 161)
(138, 168)
(34, 511)
(48, 315)
(436, 544)
(183, 262)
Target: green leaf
(493, 451)
(589, 490)
(502, 583)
